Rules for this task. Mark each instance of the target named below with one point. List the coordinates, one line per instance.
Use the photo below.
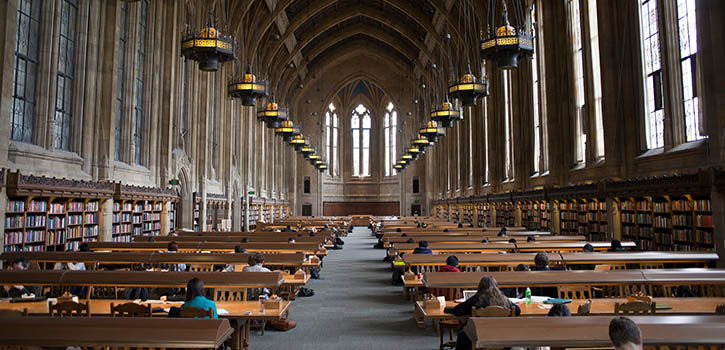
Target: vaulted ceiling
(287, 40)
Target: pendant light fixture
(445, 114)
(209, 47)
(432, 132)
(248, 88)
(467, 89)
(508, 43)
(272, 114)
(287, 130)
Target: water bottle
(528, 295)
(262, 300)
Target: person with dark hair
(195, 297)
(624, 334)
(84, 247)
(256, 264)
(617, 246)
(451, 265)
(245, 240)
(516, 292)
(287, 229)
(684, 291)
(484, 240)
(239, 249)
(488, 294)
(291, 240)
(398, 229)
(326, 228)
(559, 310)
(530, 239)
(173, 247)
(588, 248)
(422, 248)
(460, 225)
(410, 240)
(541, 260)
(15, 291)
(502, 232)
(445, 230)
(512, 240)
(312, 233)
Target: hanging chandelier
(322, 167)
(272, 115)
(208, 47)
(467, 89)
(306, 151)
(507, 44)
(421, 142)
(432, 132)
(248, 88)
(445, 115)
(287, 130)
(297, 141)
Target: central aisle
(354, 306)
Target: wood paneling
(361, 208)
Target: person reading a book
(15, 291)
(625, 334)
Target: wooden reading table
(592, 331)
(282, 247)
(496, 247)
(120, 332)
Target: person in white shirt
(624, 334)
(256, 264)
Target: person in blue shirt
(422, 248)
(195, 297)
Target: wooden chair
(230, 294)
(650, 266)
(130, 310)
(6, 312)
(575, 292)
(201, 268)
(494, 311)
(70, 308)
(584, 309)
(195, 312)
(601, 267)
(634, 308)
(618, 266)
(449, 325)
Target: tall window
(66, 66)
(508, 127)
(360, 123)
(120, 77)
(331, 122)
(654, 103)
(184, 104)
(140, 71)
(535, 83)
(598, 132)
(484, 113)
(470, 149)
(26, 67)
(687, 24)
(578, 54)
(214, 121)
(390, 129)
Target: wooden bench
(116, 332)
(219, 247)
(591, 331)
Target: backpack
(283, 325)
(306, 292)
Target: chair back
(239, 267)
(195, 312)
(649, 266)
(602, 267)
(720, 309)
(130, 310)
(7, 312)
(618, 266)
(584, 309)
(575, 292)
(493, 311)
(201, 268)
(230, 294)
(69, 308)
(634, 308)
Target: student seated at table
(625, 334)
(398, 229)
(460, 225)
(617, 246)
(541, 262)
(516, 292)
(256, 264)
(531, 239)
(16, 291)
(74, 266)
(195, 297)
(588, 248)
(291, 240)
(559, 310)
(326, 228)
(488, 294)
(410, 240)
(237, 250)
(451, 265)
(422, 248)
(502, 232)
(173, 247)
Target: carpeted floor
(354, 306)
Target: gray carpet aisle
(354, 307)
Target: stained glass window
(390, 129)
(120, 78)
(140, 71)
(331, 122)
(361, 123)
(687, 25)
(655, 109)
(66, 67)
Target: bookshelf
(135, 218)
(172, 217)
(568, 218)
(455, 213)
(468, 213)
(544, 215)
(505, 214)
(197, 211)
(535, 215)
(597, 219)
(253, 216)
